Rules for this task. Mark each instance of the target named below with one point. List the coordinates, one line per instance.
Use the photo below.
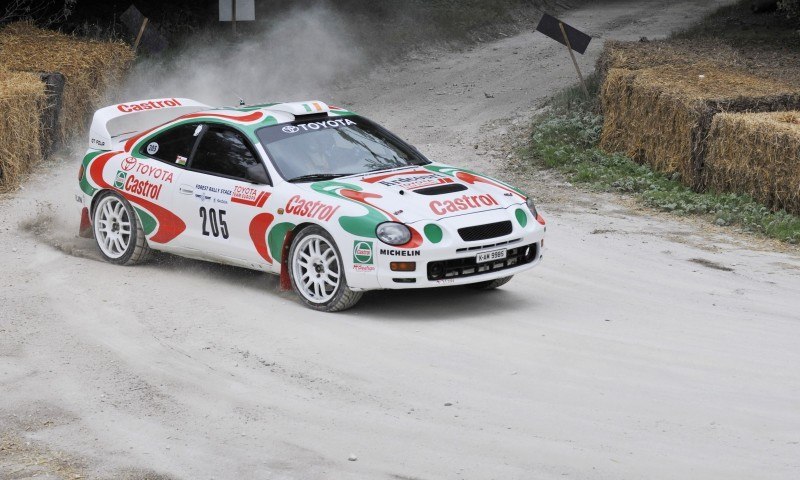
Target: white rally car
(330, 201)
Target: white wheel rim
(112, 227)
(316, 270)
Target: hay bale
(756, 154)
(662, 115)
(22, 99)
(89, 66)
(642, 55)
(54, 92)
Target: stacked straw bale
(641, 55)
(757, 154)
(90, 67)
(22, 98)
(662, 115)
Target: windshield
(308, 150)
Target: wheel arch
(285, 276)
(107, 191)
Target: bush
(790, 7)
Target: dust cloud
(298, 55)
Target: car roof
(268, 113)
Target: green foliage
(566, 139)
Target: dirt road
(643, 347)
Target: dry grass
(756, 154)
(662, 115)
(22, 99)
(642, 55)
(90, 67)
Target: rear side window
(173, 146)
(224, 151)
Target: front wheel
(317, 272)
(490, 284)
(117, 231)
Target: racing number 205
(216, 220)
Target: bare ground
(644, 347)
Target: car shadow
(442, 303)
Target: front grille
(467, 267)
(482, 232)
(488, 245)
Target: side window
(223, 151)
(173, 146)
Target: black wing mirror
(257, 174)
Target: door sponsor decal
(212, 194)
(249, 196)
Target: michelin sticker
(152, 148)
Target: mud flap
(286, 279)
(85, 229)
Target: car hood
(429, 192)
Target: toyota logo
(290, 129)
(128, 164)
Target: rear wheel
(117, 231)
(491, 284)
(317, 272)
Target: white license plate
(490, 256)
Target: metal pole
(233, 15)
(139, 36)
(574, 62)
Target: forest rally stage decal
(168, 225)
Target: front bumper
(452, 260)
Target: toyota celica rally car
(332, 202)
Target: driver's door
(222, 197)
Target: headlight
(393, 233)
(531, 207)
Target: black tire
(136, 249)
(490, 284)
(341, 297)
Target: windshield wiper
(316, 177)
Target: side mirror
(257, 174)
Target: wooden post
(233, 15)
(574, 62)
(139, 36)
